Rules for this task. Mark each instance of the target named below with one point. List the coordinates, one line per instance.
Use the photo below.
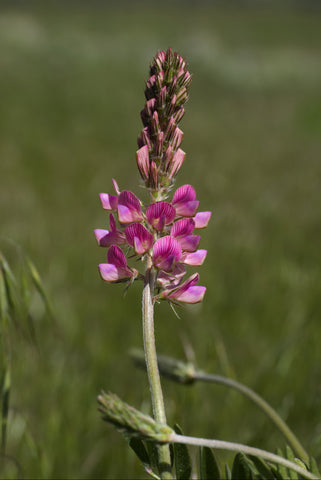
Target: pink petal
(182, 227)
(116, 187)
(112, 222)
(187, 209)
(139, 237)
(185, 193)
(101, 236)
(109, 272)
(166, 252)
(159, 214)
(195, 259)
(116, 256)
(109, 202)
(191, 295)
(129, 209)
(189, 243)
(184, 201)
(201, 219)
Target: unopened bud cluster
(159, 157)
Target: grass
(71, 89)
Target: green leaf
(4, 305)
(183, 465)
(36, 279)
(152, 454)
(10, 282)
(276, 473)
(290, 456)
(314, 467)
(209, 469)
(263, 469)
(242, 469)
(283, 471)
(228, 474)
(138, 447)
(5, 394)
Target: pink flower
(184, 201)
(182, 231)
(139, 237)
(129, 209)
(201, 219)
(187, 292)
(160, 214)
(106, 238)
(166, 253)
(116, 270)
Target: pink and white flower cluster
(163, 231)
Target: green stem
(164, 459)
(238, 447)
(261, 403)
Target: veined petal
(139, 237)
(166, 252)
(185, 193)
(182, 227)
(129, 209)
(159, 214)
(201, 219)
(184, 201)
(109, 202)
(189, 243)
(116, 256)
(195, 258)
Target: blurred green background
(71, 89)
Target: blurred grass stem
(152, 368)
(261, 403)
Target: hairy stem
(152, 368)
(246, 450)
(261, 403)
